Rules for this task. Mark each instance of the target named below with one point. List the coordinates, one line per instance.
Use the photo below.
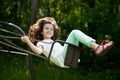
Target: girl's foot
(101, 49)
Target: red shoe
(101, 49)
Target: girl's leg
(76, 37)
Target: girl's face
(48, 31)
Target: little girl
(43, 33)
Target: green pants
(76, 37)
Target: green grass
(13, 67)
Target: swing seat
(72, 54)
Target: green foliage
(99, 19)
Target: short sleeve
(39, 43)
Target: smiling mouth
(49, 33)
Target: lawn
(14, 67)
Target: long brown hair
(35, 30)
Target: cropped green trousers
(76, 37)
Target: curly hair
(35, 30)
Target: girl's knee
(74, 31)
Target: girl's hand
(25, 39)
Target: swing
(10, 34)
(72, 54)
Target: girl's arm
(37, 50)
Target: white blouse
(56, 55)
